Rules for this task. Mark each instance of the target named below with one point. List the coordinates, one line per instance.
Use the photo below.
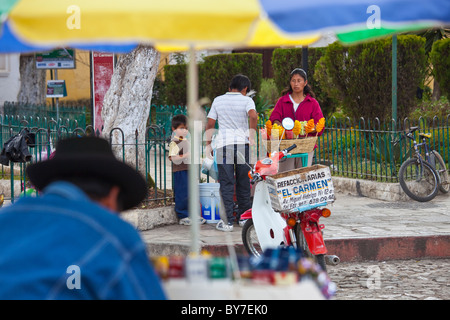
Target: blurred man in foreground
(70, 242)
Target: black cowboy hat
(90, 156)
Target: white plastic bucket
(210, 201)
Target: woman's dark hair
(301, 73)
(239, 82)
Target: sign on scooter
(300, 187)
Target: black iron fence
(359, 148)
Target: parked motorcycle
(265, 228)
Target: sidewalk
(359, 229)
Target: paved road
(355, 218)
(427, 279)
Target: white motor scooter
(265, 228)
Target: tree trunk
(32, 82)
(127, 103)
(436, 91)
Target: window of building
(4, 65)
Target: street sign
(56, 59)
(102, 71)
(56, 89)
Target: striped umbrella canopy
(116, 25)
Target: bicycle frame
(417, 146)
(420, 165)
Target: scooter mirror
(241, 159)
(287, 123)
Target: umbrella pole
(194, 198)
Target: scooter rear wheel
(250, 239)
(301, 244)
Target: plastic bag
(209, 166)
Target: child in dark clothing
(179, 154)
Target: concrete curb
(147, 219)
(390, 248)
(370, 189)
(5, 188)
(359, 250)
(169, 249)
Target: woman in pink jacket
(298, 103)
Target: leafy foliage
(175, 84)
(215, 74)
(440, 58)
(217, 71)
(285, 60)
(360, 76)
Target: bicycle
(419, 177)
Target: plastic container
(210, 201)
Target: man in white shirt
(233, 110)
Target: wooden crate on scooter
(301, 187)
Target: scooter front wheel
(250, 239)
(301, 244)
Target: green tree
(440, 58)
(362, 76)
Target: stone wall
(370, 189)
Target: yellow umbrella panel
(264, 34)
(174, 22)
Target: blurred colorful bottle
(176, 267)
(218, 268)
(197, 268)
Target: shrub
(285, 60)
(430, 109)
(362, 76)
(440, 58)
(217, 71)
(175, 84)
(215, 74)
(269, 91)
(159, 92)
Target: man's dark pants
(233, 171)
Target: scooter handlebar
(291, 148)
(256, 177)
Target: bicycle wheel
(441, 169)
(419, 180)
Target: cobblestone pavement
(426, 279)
